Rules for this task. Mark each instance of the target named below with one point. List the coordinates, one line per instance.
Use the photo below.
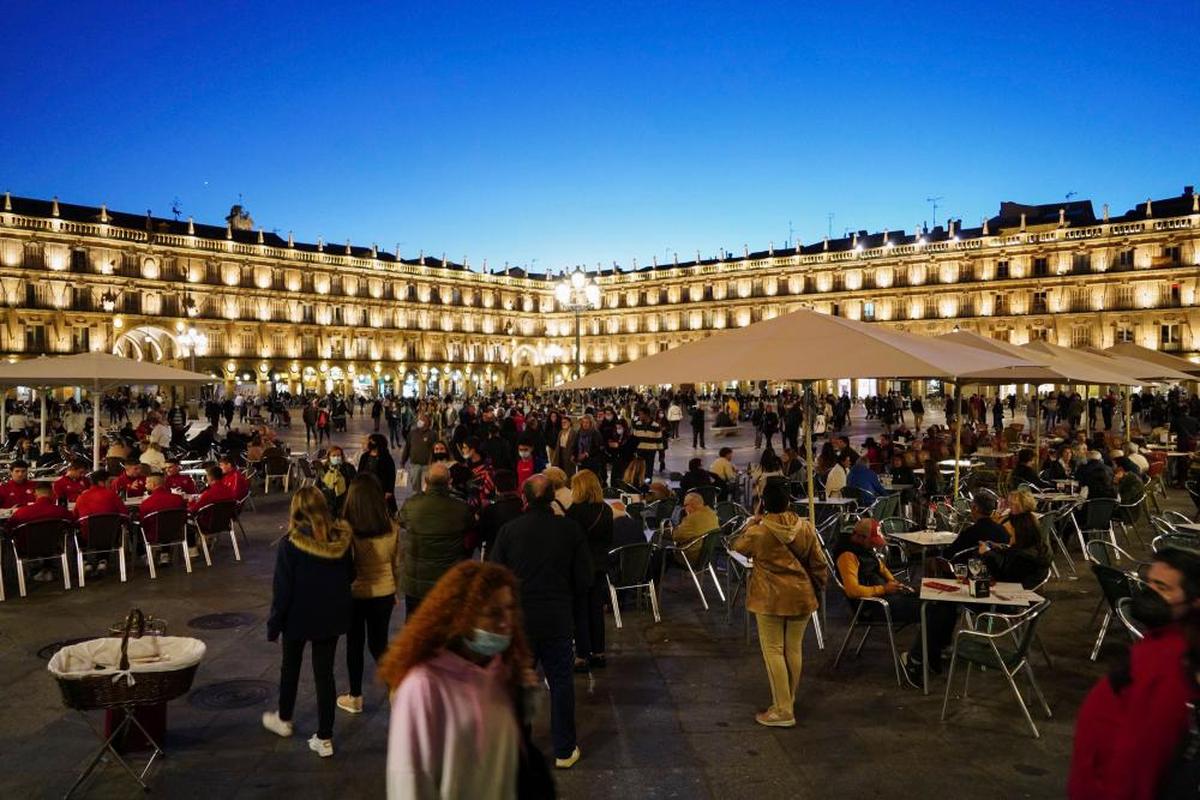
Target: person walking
(418, 451)
(458, 676)
(377, 460)
(697, 420)
(433, 534)
(311, 603)
(595, 518)
(376, 566)
(549, 556)
(309, 416)
(788, 569)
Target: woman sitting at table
(1026, 559)
(1024, 472)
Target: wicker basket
(107, 689)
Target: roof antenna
(829, 225)
(175, 209)
(934, 202)
(1070, 195)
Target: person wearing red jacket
(175, 480)
(71, 485)
(42, 508)
(1133, 720)
(215, 492)
(18, 490)
(99, 498)
(234, 480)
(160, 498)
(131, 482)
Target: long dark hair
(365, 508)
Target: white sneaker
(164, 558)
(569, 761)
(101, 566)
(322, 747)
(194, 552)
(88, 568)
(272, 722)
(44, 576)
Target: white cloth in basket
(147, 654)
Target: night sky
(551, 134)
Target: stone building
(262, 311)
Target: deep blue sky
(568, 133)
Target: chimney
(1195, 203)
(1106, 212)
(260, 236)
(697, 256)
(444, 262)
(104, 212)
(421, 259)
(745, 251)
(374, 250)
(985, 226)
(291, 240)
(228, 230)
(191, 226)
(1062, 217)
(771, 248)
(320, 244)
(54, 207)
(347, 247)
(854, 241)
(1022, 222)
(676, 258)
(397, 251)
(1149, 209)
(655, 260)
(825, 245)
(8, 201)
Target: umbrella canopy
(95, 372)
(1145, 370)
(804, 345)
(1082, 367)
(1130, 350)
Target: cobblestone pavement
(671, 716)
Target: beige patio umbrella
(1130, 350)
(96, 372)
(1149, 371)
(804, 346)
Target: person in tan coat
(698, 519)
(788, 571)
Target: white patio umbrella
(1130, 350)
(97, 372)
(804, 346)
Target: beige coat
(376, 565)
(787, 564)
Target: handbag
(534, 778)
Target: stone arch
(524, 356)
(148, 343)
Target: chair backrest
(103, 531)
(1102, 551)
(709, 493)
(709, 544)
(216, 517)
(637, 511)
(276, 464)
(1028, 627)
(170, 524)
(1124, 612)
(1114, 583)
(630, 564)
(1176, 541)
(612, 493)
(896, 525)
(42, 539)
(727, 510)
(853, 493)
(1098, 513)
(662, 509)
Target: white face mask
(420, 423)
(335, 460)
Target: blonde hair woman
(562, 494)
(596, 519)
(314, 568)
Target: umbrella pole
(1037, 431)
(1128, 413)
(42, 440)
(808, 452)
(957, 436)
(4, 415)
(95, 429)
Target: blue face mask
(486, 643)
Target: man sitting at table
(68, 488)
(18, 489)
(695, 477)
(1095, 477)
(1061, 468)
(131, 482)
(234, 480)
(175, 480)
(983, 528)
(42, 508)
(1024, 472)
(1134, 454)
(160, 498)
(698, 520)
(99, 498)
(723, 469)
(216, 492)
(863, 478)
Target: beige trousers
(781, 640)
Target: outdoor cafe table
(926, 538)
(132, 503)
(1052, 498)
(1002, 594)
(742, 579)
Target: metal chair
(1115, 585)
(859, 604)
(632, 571)
(1129, 515)
(211, 521)
(276, 467)
(1097, 519)
(992, 649)
(106, 533)
(170, 526)
(45, 540)
(660, 511)
(727, 509)
(704, 548)
(1123, 611)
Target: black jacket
(501, 511)
(383, 468)
(549, 556)
(596, 521)
(984, 529)
(311, 598)
(1009, 565)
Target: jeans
(589, 619)
(323, 651)
(416, 473)
(369, 619)
(557, 659)
(698, 436)
(782, 640)
(310, 433)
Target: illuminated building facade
(273, 312)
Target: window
(278, 344)
(1039, 304)
(308, 345)
(339, 317)
(1173, 254)
(306, 313)
(35, 338)
(1002, 336)
(836, 310)
(1000, 306)
(1081, 337)
(1169, 338)
(1123, 334)
(1081, 262)
(1125, 259)
(1079, 298)
(966, 272)
(1124, 297)
(81, 339)
(1039, 334)
(1001, 270)
(362, 347)
(1174, 296)
(1041, 267)
(868, 314)
(248, 343)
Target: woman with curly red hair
(456, 674)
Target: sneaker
(322, 747)
(164, 559)
(194, 552)
(774, 719)
(88, 568)
(569, 761)
(101, 567)
(43, 576)
(350, 703)
(912, 670)
(272, 722)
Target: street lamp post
(577, 293)
(192, 340)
